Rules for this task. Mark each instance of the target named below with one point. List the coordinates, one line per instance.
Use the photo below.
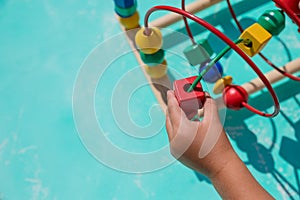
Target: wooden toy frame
(161, 85)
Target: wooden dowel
(256, 84)
(172, 18)
(272, 76)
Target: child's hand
(203, 145)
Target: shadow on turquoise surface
(289, 148)
(223, 17)
(259, 156)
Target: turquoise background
(42, 46)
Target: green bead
(153, 59)
(204, 43)
(196, 54)
(126, 12)
(273, 21)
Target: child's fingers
(169, 127)
(213, 127)
(210, 110)
(174, 111)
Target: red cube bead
(189, 102)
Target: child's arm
(204, 147)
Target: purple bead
(214, 74)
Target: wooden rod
(257, 85)
(272, 76)
(172, 18)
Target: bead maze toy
(147, 42)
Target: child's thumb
(210, 110)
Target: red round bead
(233, 96)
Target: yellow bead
(221, 84)
(157, 71)
(149, 44)
(130, 22)
(258, 38)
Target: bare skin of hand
(204, 147)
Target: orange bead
(149, 44)
(130, 22)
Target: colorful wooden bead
(157, 71)
(258, 37)
(125, 3)
(125, 12)
(153, 59)
(221, 84)
(214, 74)
(273, 21)
(130, 22)
(190, 102)
(205, 44)
(234, 96)
(294, 5)
(149, 44)
(196, 54)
